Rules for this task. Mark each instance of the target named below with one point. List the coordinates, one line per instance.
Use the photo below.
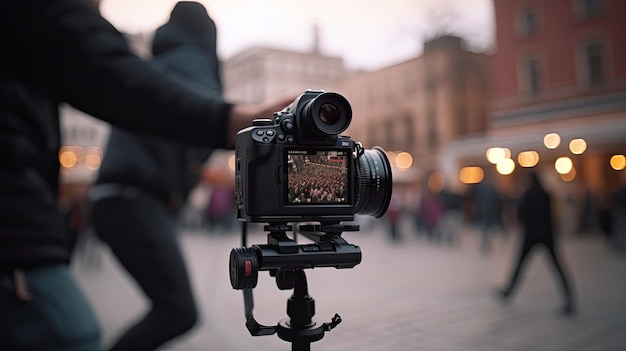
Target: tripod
(286, 261)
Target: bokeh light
(436, 182)
(618, 162)
(552, 140)
(471, 175)
(528, 158)
(563, 165)
(404, 160)
(577, 146)
(495, 154)
(67, 157)
(569, 176)
(93, 158)
(505, 166)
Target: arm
(67, 50)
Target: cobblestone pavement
(411, 295)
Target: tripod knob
(244, 268)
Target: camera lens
(326, 114)
(374, 183)
(329, 114)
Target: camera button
(260, 132)
(290, 139)
(270, 132)
(266, 140)
(281, 136)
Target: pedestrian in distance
(488, 209)
(618, 209)
(535, 215)
(394, 214)
(63, 51)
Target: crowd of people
(313, 182)
(543, 219)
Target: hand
(241, 116)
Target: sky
(367, 34)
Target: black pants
(142, 234)
(526, 248)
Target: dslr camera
(297, 168)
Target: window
(593, 58)
(532, 71)
(528, 22)
(584, 9)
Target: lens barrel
(326, 114)
(373, 183)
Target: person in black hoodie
(535, 215)
(143, 182)
(64, 51)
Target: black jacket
(535, 213)
(186, 48)
(63, 51)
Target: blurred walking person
(452, 218)
(394, 214)
(144, 181)
(618, 214)
(431, 211)
(535, 215)
(489, 210)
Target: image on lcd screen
(317, 177)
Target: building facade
(259, 74)
(421, 105)
(559, 71)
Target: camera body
(296, 167)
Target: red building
(559, 66)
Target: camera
(297, 167)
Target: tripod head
(286, 260)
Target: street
(409, 295)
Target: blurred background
(461, 94)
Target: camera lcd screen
(317, 177)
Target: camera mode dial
(259, 122)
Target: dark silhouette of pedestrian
(535, 215)
(394, 214)
(431, 211)
(618, 214)
(452, 218)
(144, 181)
(488, 210)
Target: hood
(189, 23)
